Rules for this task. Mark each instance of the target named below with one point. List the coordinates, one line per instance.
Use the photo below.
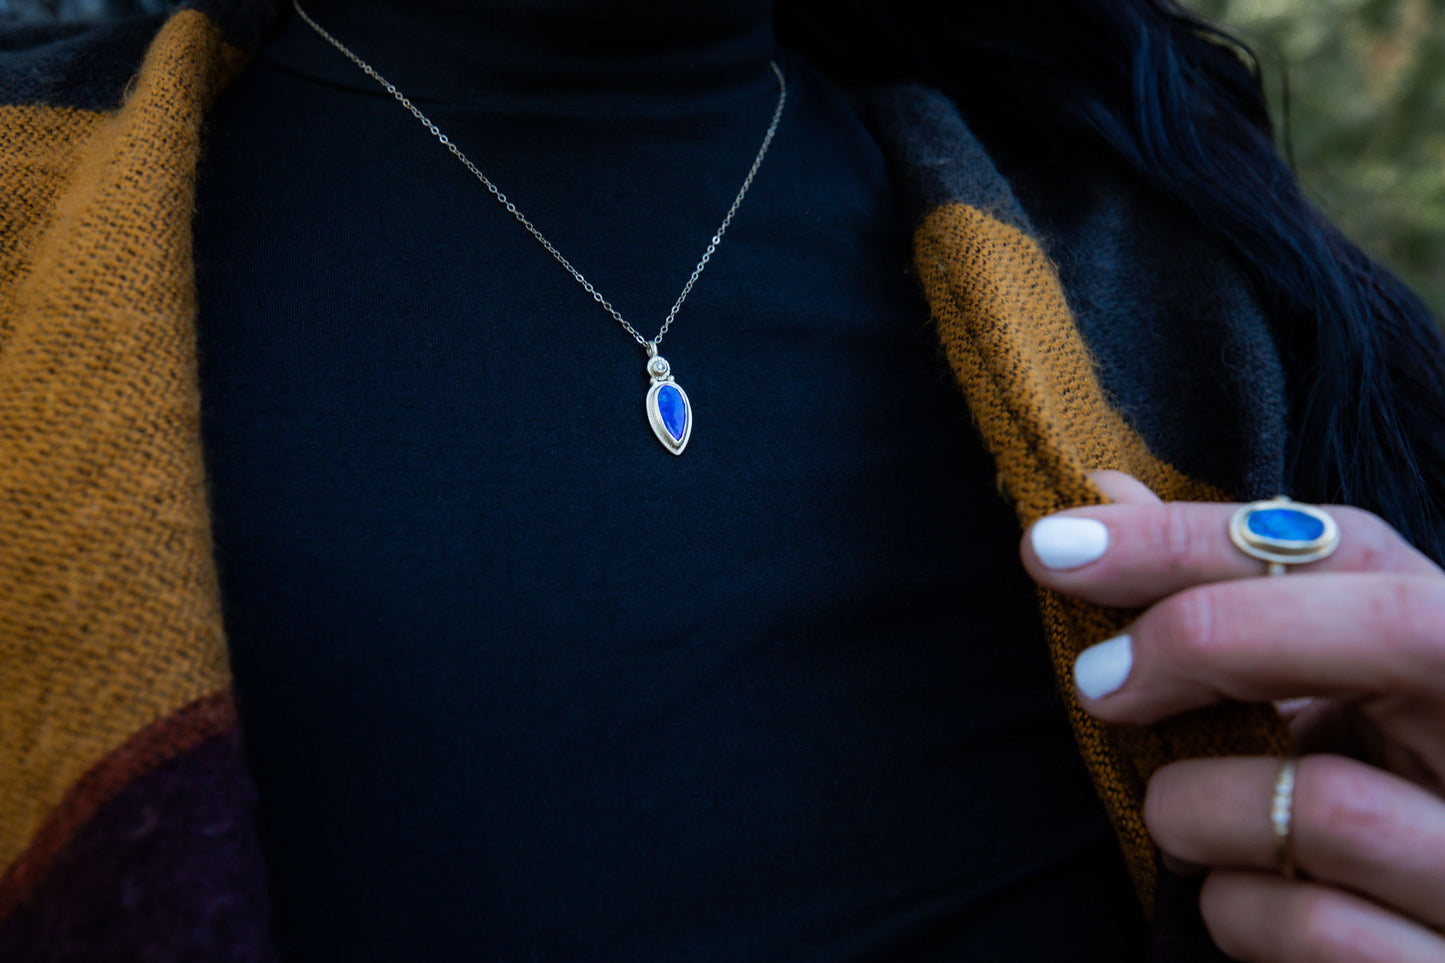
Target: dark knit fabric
(1178, 934)
(1164, 311)
(1149, 303)
(72, 65)
(514, 677)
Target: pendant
(668, 410)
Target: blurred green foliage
(1357, 88)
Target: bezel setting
(1280, 552)
(654, 416)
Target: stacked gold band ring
(1281, 818)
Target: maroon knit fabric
(168, 871)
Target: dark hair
(1180, 105)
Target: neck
(481, 50)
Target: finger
(1131, 555)
(1339, 727)
(1268, 639)
(1353, 826)
(1261, 918)
(1124, 489)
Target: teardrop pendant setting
(668, 410)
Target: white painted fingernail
(1103, 668)
(1065, 542)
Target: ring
(1281, 817)
(1283, 532)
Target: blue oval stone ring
(1282, 533)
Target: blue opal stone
(673, 410)
(1285, 524)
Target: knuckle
(1376, 545)
(1408, 615)
(1177, 538)
(1340, 815)
(1190, 626)
(1424, 605)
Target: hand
(1355, 643)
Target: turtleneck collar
(495, 52)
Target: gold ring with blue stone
(1284, 532)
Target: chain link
(496, 192)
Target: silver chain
(496, 192)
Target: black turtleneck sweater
(517, 683)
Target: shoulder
(90, 66)
(58, 85)
(1178, 338)
(1181, 338)
(78, 100)
(73, 66)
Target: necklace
(669, 412)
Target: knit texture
(168, 869)
(109, 615)
(112, 659)
(1005, 324)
